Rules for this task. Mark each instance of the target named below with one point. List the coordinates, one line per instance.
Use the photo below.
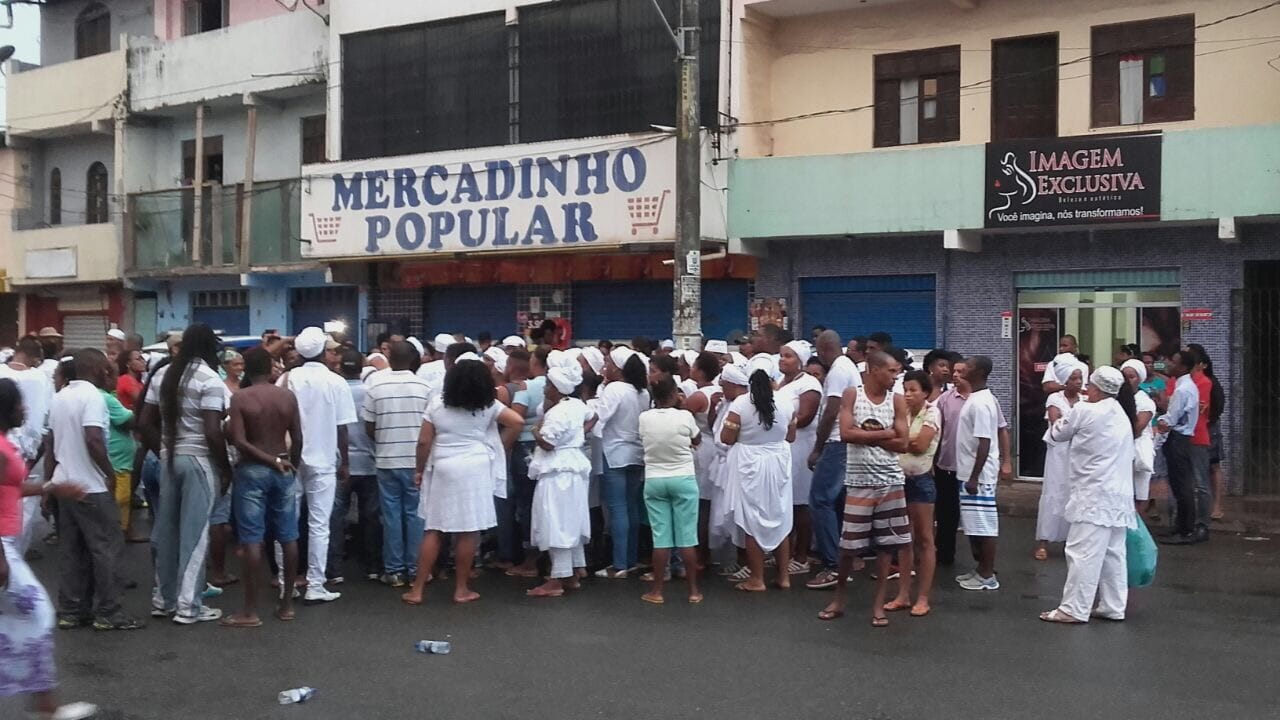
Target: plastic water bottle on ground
(433, 647)
(296, 695)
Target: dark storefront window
(601, 67)
(423, 88)
(1144, 72)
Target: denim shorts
(221, 514)
(921, 489)
(264, 501)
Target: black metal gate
(1257, 345)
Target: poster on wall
(1072, 181)
(769, 311)
(1037, 344)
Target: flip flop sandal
(695, 600)
(229, 621)
(652, 600)
(879, 622)
(830, 615)
(536, 593)
(895, 606)
(407, 601)
(286, 616)
(1057, 616)
(1041, 554)
(917, 612)
(742, 587)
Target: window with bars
(93, 31)
(1144, 71)
(220, 298)
(917, 97)
(313, 148)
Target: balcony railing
(161, 227)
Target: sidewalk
(1244, 514)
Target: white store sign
(595, 192)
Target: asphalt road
(1200, 643)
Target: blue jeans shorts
(264, 497)
(921, 489)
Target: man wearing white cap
(115, 344)
(1100, 508)
(432, 372)
(512, 342)
(326, 408)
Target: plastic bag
(1141, 552)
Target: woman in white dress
(1050, 524)
(757, 428)
(561, 522)
(806, 395)
(703, 403)
(456, 467)
(1144, 451)
(1100, 508)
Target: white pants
(320, 487)
(30, 511)
(564, 560)
(1096, 567)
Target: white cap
(719, 347)
(498, 357)
(667, 344)
(514, 341)
(689, 357)
(467, 357)
(417, 345)
(442, 342)
(594, 359)
(116, 334)
(310, 342)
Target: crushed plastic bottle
(296, 695)
(433, 647)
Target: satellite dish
(6, 52)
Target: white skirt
(801, 475)
(561, 517)
(457, 491)
(1051, 526)
(704, 467)
(26, 630)
(759, 493)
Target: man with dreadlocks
(182, 420)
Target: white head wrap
(761, 361)
(594, 359)
(802, 349)
(689, 357)
(737, 358)
(116, 334)
(566, 378)
(561, 358)
(1065, 365)
(514, 341)
(310, 342)
(734, 375)
(719, 347)
(1107, 379)
(442, 342)
(667, 344)
(467, 357)
(498, 356)
(1138, 367)
(417, 345)
(620, 356)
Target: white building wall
(58, 26)
(72, 156)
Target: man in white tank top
(873, 422)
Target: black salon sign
(1099, 179)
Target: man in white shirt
(327, 408)
(827, 494)
(90, 542)
(392, 412)
(51, 348)
(37, 393)
(432, 371)
(978, 467)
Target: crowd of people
(783, 457)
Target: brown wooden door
(1024, 88)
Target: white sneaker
(75, 711)
(977, 582)
(207, 614)
(321, 596)
(967, 576)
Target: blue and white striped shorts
(978, 514)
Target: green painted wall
(1211, 173)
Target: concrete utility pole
(686, 317)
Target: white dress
(806, 438)
(561, 517)
(1144, 449)
(719, 521)
(458, 482)
(758, 474)
(704, 456)
(1051, 525)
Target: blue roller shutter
(225, 311)
(901, 305)
(622, 310)
(471, 310)
(315, 306)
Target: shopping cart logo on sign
(646, 211)
(326, 228)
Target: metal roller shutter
(226, 311)
(471, 310)
(623, 310)
(315, 306)
(901, 305)
(84, 331)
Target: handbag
(1141, 553)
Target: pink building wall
(168, 13)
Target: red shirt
(127, 390)
(1205, 387)
(11, 490)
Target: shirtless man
(263, 490)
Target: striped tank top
(869, 466)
